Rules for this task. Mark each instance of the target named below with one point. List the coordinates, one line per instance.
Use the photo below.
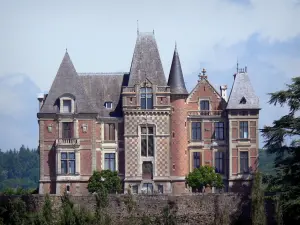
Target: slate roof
(66, 82)
(242, 87)
(146, 62)
(176, 80)
(104, 87)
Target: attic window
(108, 105)
(67, 106)
(243, 100)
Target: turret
(179, 156)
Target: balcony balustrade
(67, 142)
(205, 113)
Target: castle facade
(152, 131)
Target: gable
(205, 91)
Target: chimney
(41, 98)
(223, 89)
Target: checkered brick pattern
(162, 156)
(161, 122)
(131, 123)
(131, 156)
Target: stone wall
(188, 209)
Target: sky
(263, 35)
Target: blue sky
(100, 37)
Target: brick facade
(91, 122)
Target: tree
(258, 201)
(282, 140)
(105, 179)
(204, 176)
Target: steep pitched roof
(242, 95)
(66, 82)
(176, 80)
(104, 87)
(146, 62)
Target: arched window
(146, 98)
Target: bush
(105, 179)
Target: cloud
(18, 108)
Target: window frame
(67, 161)
(218, 130)
(108, 103)
(70, 131)
(110, 132)
(242, 160)
(147, 187)
(195, 127)
(219, 162)
(203, 103)
(110, 160)
(197, 156)
(146, 93)
(149, 135)
(244, 126)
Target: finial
(66, 50)
(137, 27)
(237, 65)
(175, 46)
(203, 71)
(245, 69)
(202, 74)
(153, 31)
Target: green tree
(105, 179)
(204, 176)
(282, 140)
(258, 215)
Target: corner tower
(243, 116)
(179, 138)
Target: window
(196, 131)
(67, 163)
(110, 161)
(109, 132)
(197, 158)
(219, 162)
(67, 130)
(146, 98)
(147, 141)
(135, 189)
(244, 162)
(219, 131)
(243, 101)
(204, 105)
(67, 106)
(244, 129)
(108, 105)
(147, 169)
(160, 188)
(148, 188)
(68, 188)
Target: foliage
(282, 140)
(203, 176)
(104, 179)
(258, 201)
(19, 169)
(102, 201)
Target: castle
(151, 131)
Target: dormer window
(67, 106)
(108, 105)
(243, 101)
(66, 103)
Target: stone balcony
(67, 142)
(205, 113)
